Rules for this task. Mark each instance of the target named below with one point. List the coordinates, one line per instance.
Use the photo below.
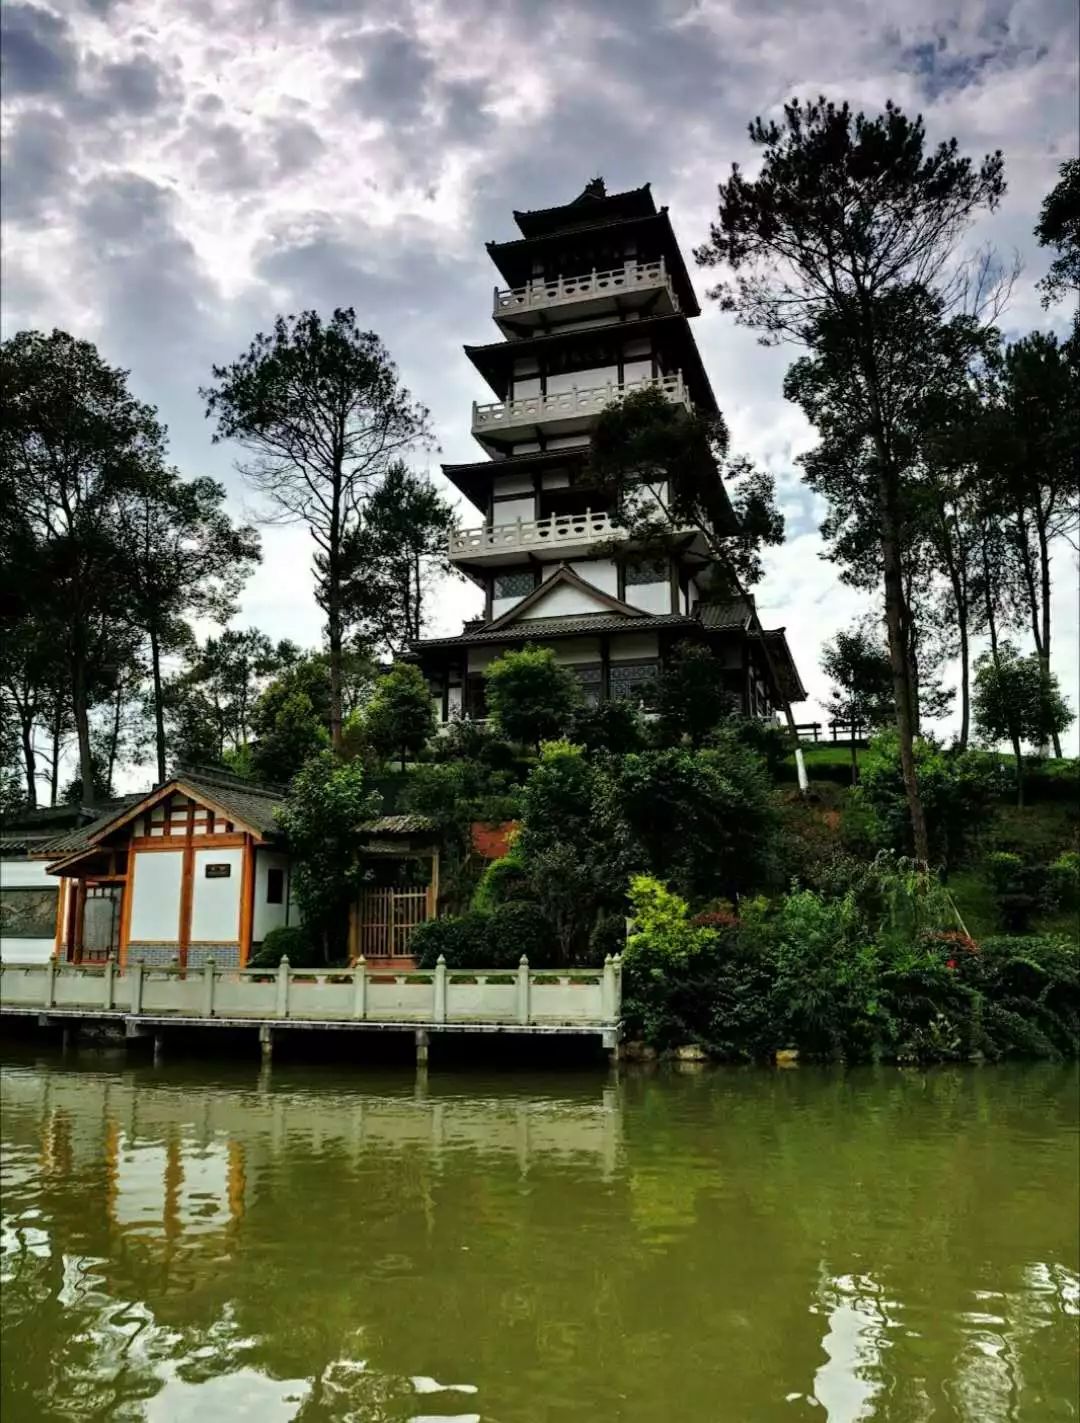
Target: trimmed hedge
(487, 939)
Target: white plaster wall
(506, 511)
(215, 903)
(155, 901)
(634, 646)
(650, 597)
(480, 657)
(502, 605)
(268, 916)
(26, 951)
(600, 572)
(21, 873)
(514, 483)
(564, 601)
(577, 649)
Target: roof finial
(595, 188)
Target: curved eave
(567, 217)
(495, 361)
(475, 479)
(513, 259)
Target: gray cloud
(37, 165)
(134, 86)
(396, 78)
(177, 175)
(37, 51)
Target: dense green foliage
(288, 941)
(399, 720)
(328, 801)
(530, 697)
(873, 974)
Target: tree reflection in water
(188, 1242)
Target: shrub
(1032, 987)
(461, 939)
(290, 941)
(1063, 881)
(530, 697)
(502, 880)
(478, 940)
(957, 790)
(614, 726)
(518, 928)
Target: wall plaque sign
(218, 871)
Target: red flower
(950, 963)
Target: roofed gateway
(598, 302)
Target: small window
(275, 885)
(590, 679)
(634, 682)
(513, 585)
(646, 570)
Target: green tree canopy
(399, 720)
(1016, 701)
(328, 800)
(320, 410)
(530, 698)
(839, 242)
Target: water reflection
(182, 1242)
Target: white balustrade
(567, 404)
(559, 529)
(540, 294)
(519, 996)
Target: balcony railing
(540, 295)
(569, 408)
(560, 530)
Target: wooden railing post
(50, 981)
(281, 1004)
(209, 971)
(109, 981)
(523, 990)
(440, 990)
(360, 988)
(136, 986)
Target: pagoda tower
(597, 302)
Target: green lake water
(188, 1242)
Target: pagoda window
(634, 682)
(645, 570)
(514, 584)
(590, 676)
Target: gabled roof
(542, 629)
(250, 806)
(78, 839)
(564, 577)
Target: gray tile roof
(720, 616)
(397, 825)
(532, 628)
(253, 805)
(72, 841)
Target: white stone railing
(560, 291)
(577, 997)
(559, 529)
(589, 402)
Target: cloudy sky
(176, 172)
